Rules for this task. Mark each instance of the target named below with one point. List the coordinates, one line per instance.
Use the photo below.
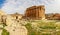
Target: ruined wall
(37, 12)
(53, 16)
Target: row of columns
(37, 12)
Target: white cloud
(53, 8)
(11, 6)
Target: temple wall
(37, 12)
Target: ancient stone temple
(35, 12)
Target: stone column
(36, 13)
(43, 12)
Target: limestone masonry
(35, 12)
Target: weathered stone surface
(15, 28)
(16, 16)
(37, 12)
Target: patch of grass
(42, 26)
(46, 34)
(48, 27)
(4, 32)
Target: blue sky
(12, 6)
(1, 3)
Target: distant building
(35, 12)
